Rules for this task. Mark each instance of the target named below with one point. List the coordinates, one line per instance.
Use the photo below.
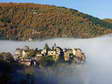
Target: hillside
(108, 20)
(21, 21)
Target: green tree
(47, 61)
(46, 47)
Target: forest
(21, 21)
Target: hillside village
(48, 56)
(21, 64)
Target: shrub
(47, 61)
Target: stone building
(68, 55)
(79, 55)
(59, 54)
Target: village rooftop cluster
(48, 56)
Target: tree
(54, 46)
(46, 47)
(47, 61)
(6, 57)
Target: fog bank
(96, 70)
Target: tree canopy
(21, 21)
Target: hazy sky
(97, 8)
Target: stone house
(83, 57)
(18, 53)
(21, 54)
(79, 55)
(68, 54)
(59, 54)
(58, 50)
(44, 52)
(55, 55)
(51, 52)
(78, 52)
(24, 54)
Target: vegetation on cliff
(11, 72)
(21, 21)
